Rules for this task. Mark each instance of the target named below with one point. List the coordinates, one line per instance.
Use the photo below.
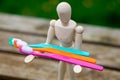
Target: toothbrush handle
(69, 60)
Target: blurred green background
(96, 12)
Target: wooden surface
(102, 43)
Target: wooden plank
(39, 26)
(101, 35)
(105, 55)
(4, 77)
(22, 24)
(45, 69)
(14, 66)
(17, 26)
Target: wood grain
(44, 69)
(103, 54)
(37, 26)
(102, 43)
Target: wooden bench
(103, 44)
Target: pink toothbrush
(29, 51)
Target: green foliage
(97, 12)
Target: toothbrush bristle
(26, 49)
(21, 43)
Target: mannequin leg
(71, 72)
(61, 70)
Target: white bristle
(27, 49)
(21, 43)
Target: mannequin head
(64, 12)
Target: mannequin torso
(65, 38)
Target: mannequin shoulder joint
(79, 29)
(52, 23)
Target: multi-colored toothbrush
(53, 53)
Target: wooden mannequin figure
(68, 34)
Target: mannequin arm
(78, 37)
(51, 32)
(50, 35)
